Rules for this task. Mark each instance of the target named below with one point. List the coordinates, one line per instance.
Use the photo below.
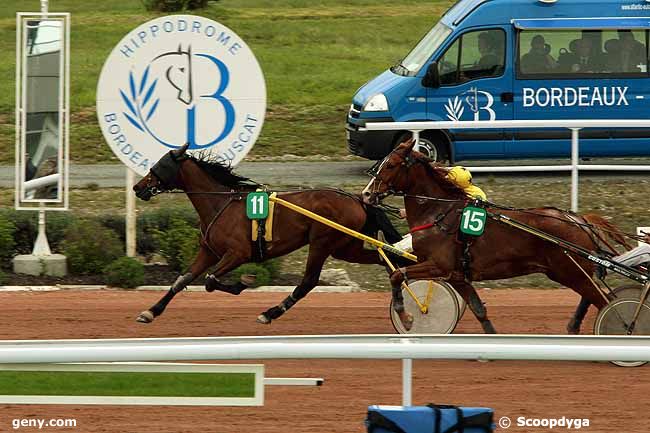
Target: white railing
(407, 347)
(574, 125)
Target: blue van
(516, 59)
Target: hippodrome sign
(180, 79)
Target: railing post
(416, 137)
(575, 160)
(407, 382)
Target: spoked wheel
(443, 311)
(616, 318)
(633, 292)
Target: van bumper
(369, 144)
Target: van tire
(433, 144)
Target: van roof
(499, 12)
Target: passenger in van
(585, 59)
(612, 55)
(538, 60)
(486, 47)
(631, 53)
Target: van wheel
(433, 146)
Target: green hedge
(90, 247)
(125, 272)
(178, 244)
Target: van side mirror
(432, 77)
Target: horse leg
(228, 262)
(315, 262)
(203, 261)
(576, 321)
(468, 292)
(424, 270)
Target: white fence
(467, 347)
(574, 125)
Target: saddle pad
(424, 419)
(268, 222)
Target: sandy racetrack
(613, 399)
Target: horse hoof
(262, 319)
(145, 317)
(248, 279)
(407, 320)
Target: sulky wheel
(615, 319)
(462, 305)
(443, 311)
(633, 292)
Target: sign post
(42, 128)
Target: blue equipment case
(429, 419)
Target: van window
(579, 54)
(413, 62)
(477, 54)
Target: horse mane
(439, 174)
(218, 171)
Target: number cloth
(268, 232)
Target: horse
(433, 208)
(218, 196)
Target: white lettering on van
(571, 97)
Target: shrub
(178, 244)
(273, 266)
(262, 274)
(3, 278)
(90, 247)
(151, 223)
(125, 272)
(7, 243)
(174, 5)
(26, 224)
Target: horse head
(179, 72)
(390, 174)
(408, 171)
(163, 176)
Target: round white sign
(180, 79)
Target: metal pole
(44, 6)
(41, 246)
(130, 214)
(574, 168)
(416, 137)
(407, 379)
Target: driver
(636, 256)
(462, 178)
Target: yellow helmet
(460, 176)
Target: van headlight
(377, 102)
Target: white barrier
(468, 347)
(574, 125)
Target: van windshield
(414, 61)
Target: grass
(314, 55)
(127, 384)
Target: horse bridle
(374, 171)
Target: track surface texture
(615, 400)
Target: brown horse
(433, 207)
(218, 195)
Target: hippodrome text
(180, 25)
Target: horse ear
(410, 144)
(180, 151)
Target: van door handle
(507, 97)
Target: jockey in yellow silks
(462, 178)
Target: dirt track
(613, 399)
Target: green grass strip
(127, 384)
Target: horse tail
(605, 229)
(378, 220)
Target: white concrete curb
(263, 289)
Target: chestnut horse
(218, 195)
(434, 204)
